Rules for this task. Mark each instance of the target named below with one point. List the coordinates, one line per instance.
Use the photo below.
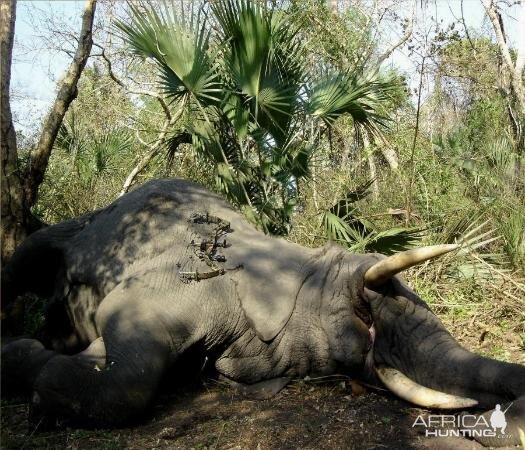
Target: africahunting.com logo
(464, 425)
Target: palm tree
(257, 113)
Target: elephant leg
(110, 390)
(23, 359)
(78, 388)
(143, 333)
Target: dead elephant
(171, 267)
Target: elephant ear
(267, 288)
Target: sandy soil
(319, 414)
(335, 413)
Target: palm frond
(356, 94)
(70, 138)
(179, 47)
(392, 240)
(337, 229)
(342, 223)
(107, 149)
(173, 142)
(246, 30)
(346, 205)
(476, 258)
(262, 59)
(247, 102)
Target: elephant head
(417, 359)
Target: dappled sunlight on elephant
(171, 268)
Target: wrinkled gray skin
(279, 310)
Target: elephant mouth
(409, 390)
(397, 382)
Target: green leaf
(178, 46)
(238, 115)
(262, 58)
(246, 30)
(345, 206)
(357, 95)
(392, 240)
(336, 228)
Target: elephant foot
(260, 391)
(22, 360)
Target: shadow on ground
(213, 416)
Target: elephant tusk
(413, 392)
(382, 270)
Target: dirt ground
(318, 414)
(328, 413)
(308, 415)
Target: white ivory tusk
(413, 392)
(388, 267)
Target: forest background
(403, 126)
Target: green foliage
(513, 231)
(340, 39)
(359, 96)
(475, 60)
(251, 106)
(342, 223)
(273, 109)
(93, 152)
(180, 49)
(92, 156)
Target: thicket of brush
(313, 161)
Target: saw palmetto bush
(85, 170)
(257, 112)
(346, 223)
(492, 178)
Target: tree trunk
(390, 156)
(19, 190)
(67, 92)
(13, 229)
(369, 150)
(515, 70)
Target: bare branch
(67, 92)
(154, 148)
(131, 90)
(466, 28)
(404, 38)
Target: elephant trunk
(412, 340)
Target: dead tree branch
(154, 148)
(132, 90)
(404, 38)
(67, 92)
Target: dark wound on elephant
(170, 269)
